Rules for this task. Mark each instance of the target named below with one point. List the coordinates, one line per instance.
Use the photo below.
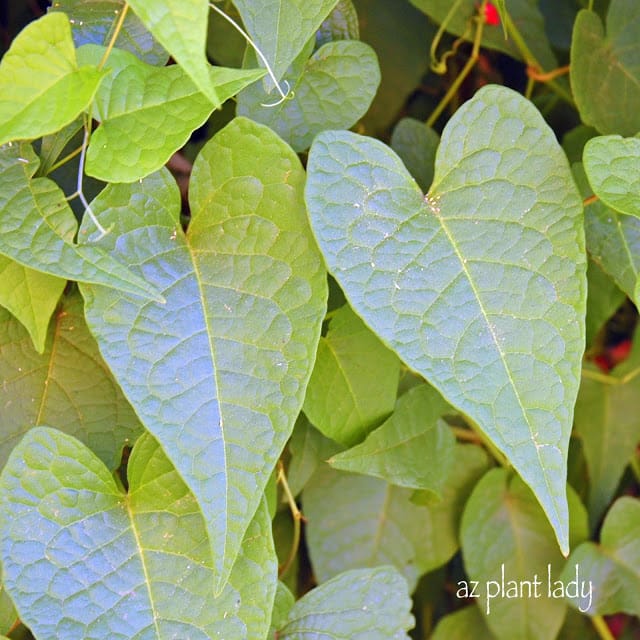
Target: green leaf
(416, 145)
(180, 26)
(31, 296)
(364, 603)
(506, 542)
(281, 28)
(94, 22)
(121, 566)
(605, 68)
(480, 286)
(462, 625)
(612, 164)
(340, 24)
(354, 381)
(414, 448)
(68, 386)
(607, 423)
(147, 113)
(578, 627)
(603, 299)
(8, 613)
(282, 605)
(331, 90)
(613, 566)
(356, 521)
(38, 227)
(218, 373)
(41, 86)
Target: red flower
(491, 15)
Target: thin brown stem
(297, 518)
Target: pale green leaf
(612, 165)
(364, 604)
(413, 448)
(603, 299)
(416, 145)
(281, 28)
(68, 386)
(613, 566)
(340, 24)
(354, 381)
(464, 624)
(31, 296)
(356, 521)
(479, 286)
(121, 566)
(41, 86)
(147, 113)
(218, 373)
(506, 541)
(180, 26)
(94, 22)
(605, 68)
(38, 227)
(331, 90)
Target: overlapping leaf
(462, 625)
(605, 68)
(38, 227)
(603, 300)
(217, 373)
(479, 286)
(416, 145)
(340, 24)
(121, 566)
(612, 164)
(41, 86)
(331, 90)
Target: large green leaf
(613, 566)
(41, 86)
(331, 90)
(281, 28)
(354, 381)
(605, 68)
(218, 373)
(364, 603)
(479, 286)
(612, 164)
(38, 227)
(82, 560)
(31, 296)
(414, 448)
(506, 541)
(356, 521)
(147, 113)
(68, 386)
(180, 26)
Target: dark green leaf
(602, 301)
(340, 24)
(465, 624)
(416, 145)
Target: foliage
(339, 376)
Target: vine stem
(114, 37)
(590, 200)
(297, 518)
(602, 628)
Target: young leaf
(110, 571)
(416, 145)
(68, 386)
(218, 373)
(331, 90)
(41, 86)
(364, 603)
(605, 68)
(613, 566)
(480, 286)
(354, 381)
(612, 164)
(38, 227)
(414, 448)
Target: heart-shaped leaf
(479, 286)
(218, 373)
(83, 560)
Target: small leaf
(331, 90)
(612, 164)
(462, 625)
(180, 26)
(68, 386)
(38, 227)
(41, 86)
(364, 603)
(416, 145)
(110, 571)
(354, 381)
(605, 68)
(414, 448)
(613, 566)
(481, 285)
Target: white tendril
(79, 192)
